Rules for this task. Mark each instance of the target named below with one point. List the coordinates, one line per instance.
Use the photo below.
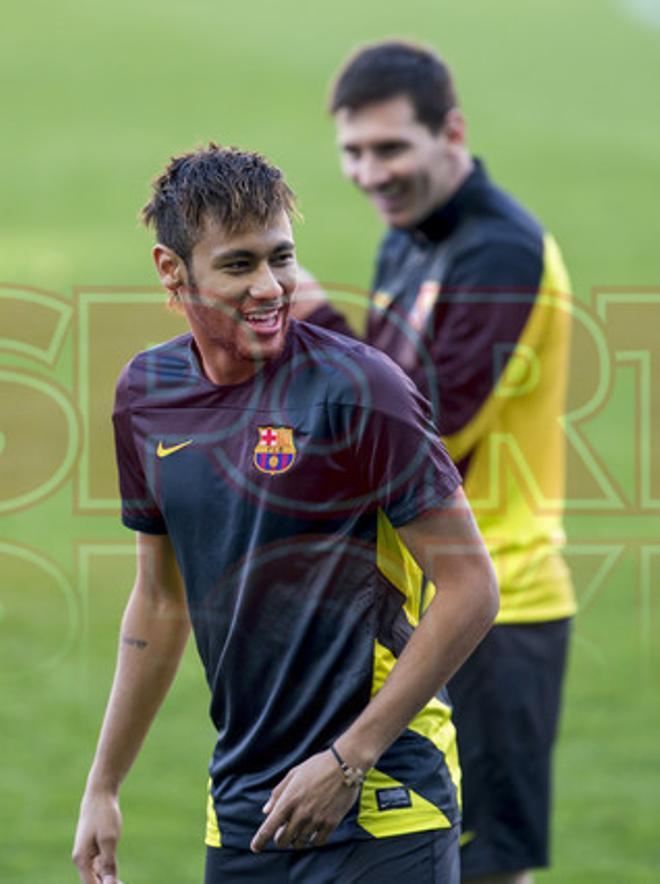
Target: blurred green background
(561, 99)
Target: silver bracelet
(353, 776)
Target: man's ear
(170, 268)
(454, 126)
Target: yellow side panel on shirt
(396, 563)
(213, 838)
(433, 722)
(420, 816)
(515, 477)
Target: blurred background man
(470, 298)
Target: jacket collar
(443, 220)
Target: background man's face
(240, 286)
(395, 160)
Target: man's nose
(372, 173)
(265, 285)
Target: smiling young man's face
(237, 295)
(398, 162)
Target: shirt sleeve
(139, 510)
(400, 463)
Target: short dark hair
(239, 189)
(386, 69)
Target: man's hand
(309, 295)
(95, 845)
(306, 806)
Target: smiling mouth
(390, 197)
(264, 321)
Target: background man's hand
(95, 845)
(306, 806)
(308, 297)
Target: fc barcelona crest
(424, 304)
(275, 451)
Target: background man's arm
(448, 547)
(154, 631)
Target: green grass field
(561, 100)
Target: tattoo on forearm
(139, 643)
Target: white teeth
(271, 311)
(262, 317)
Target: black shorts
(420, 858)
(506, 700)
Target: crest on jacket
(274, 452)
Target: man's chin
(266, 348)
(403, 214)
(399, 218)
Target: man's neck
(463, 165)
(223, 368)
(466, 167)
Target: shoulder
(353, 373)
(498, 243)
(156, 369)
(328, 350)
(492, 217)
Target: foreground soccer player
(469, 298)
(274, 472)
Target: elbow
(492, 593)
(488, 593)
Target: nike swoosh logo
(163, 451)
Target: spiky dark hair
(239, 189)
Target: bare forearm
(153, 635)
(312, 797)
(448, 547)
(451, 628)
(152, 639)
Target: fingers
(305, 839)
(85, 865)
(296, 833)
(106, 862)
(305, 807)
(268, 829)
(99, 864)
(304, 835)
(284, 828)
(322, 834)
(276, 793)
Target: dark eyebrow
(245, 254)
(233, 255)
(376, 145)
(286, 245)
